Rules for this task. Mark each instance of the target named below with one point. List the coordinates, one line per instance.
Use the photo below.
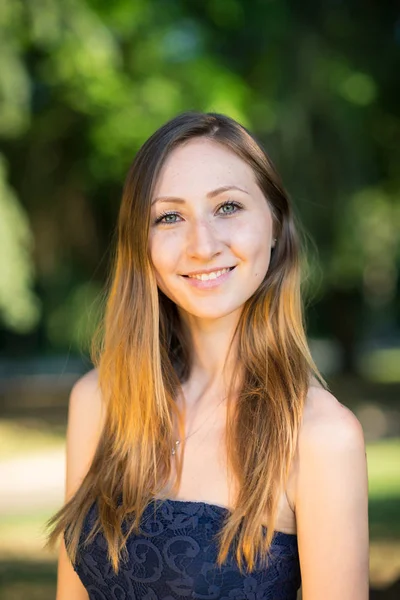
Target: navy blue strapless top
(175, 558)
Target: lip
(211, 283)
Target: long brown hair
(144, 355)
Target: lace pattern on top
(174, 558)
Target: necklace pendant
(176, 444)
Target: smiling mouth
(210, 276)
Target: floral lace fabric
(174, 558)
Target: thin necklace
(177, 442)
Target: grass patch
(381, 365)
(23, 579)
(384, 489)
(19, 438)
(384, 469)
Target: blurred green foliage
(18, 304)
(84, 82)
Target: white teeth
(208, 276)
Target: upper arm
(332, 503)
(85, 422)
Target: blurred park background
(82, 84)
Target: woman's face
(209, 215)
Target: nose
(202, 241)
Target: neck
(213, 365)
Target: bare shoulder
(327, 428)
(86, 398)
(87, 386)
(331, 500)
(86, 417)
(327, 423)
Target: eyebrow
(210, 195)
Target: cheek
(164, 252)
(252, 240)
(253, 247)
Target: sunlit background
(82, 84)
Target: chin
(211, 313)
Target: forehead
(202, 164)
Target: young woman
(206, 457)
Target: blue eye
(163, 218)
(231, 204)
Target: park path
(32, 482)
